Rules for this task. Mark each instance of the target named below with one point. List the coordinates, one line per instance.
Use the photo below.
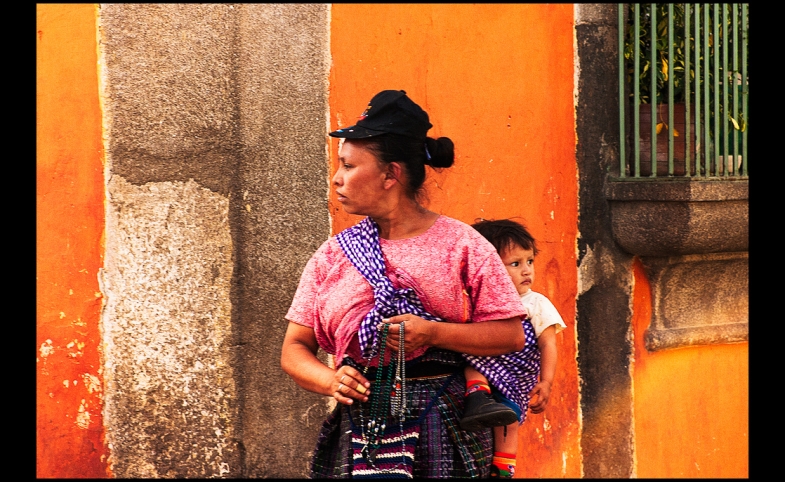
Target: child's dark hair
(505, 233)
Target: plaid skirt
(443, 449)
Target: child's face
(520, 265)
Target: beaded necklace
(389, 398)
(397, 397)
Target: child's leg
(481, 410)
(505, 450)
(505, 439)
(475, 380)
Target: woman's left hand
(417, 331)
(489, 338)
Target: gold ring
(360, 388)
(340, 387)
(341, 380)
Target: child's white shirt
(542, 312)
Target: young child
(485, 405)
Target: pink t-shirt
(455, 272)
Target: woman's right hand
(349, 385)
(299, 361)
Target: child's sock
(474, 385)
(505, 463)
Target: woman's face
(359, 180)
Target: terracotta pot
(662, 140)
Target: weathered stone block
(693, 237)
(698, 299)
(672, 218)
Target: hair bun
(441, 151)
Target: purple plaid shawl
(361, 245)
(513, 374)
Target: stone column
(216, 178)
(605, 276)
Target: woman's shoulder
(460, 231)
(328, 245)
(447, 222)
(467, 244)
(327, 251)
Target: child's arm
(547, 344)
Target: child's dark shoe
(482, 411)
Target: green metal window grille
(684, 83)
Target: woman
(402, 270)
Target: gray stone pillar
(216, 178)
(282, 78)
(605, 289)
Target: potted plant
(663, 69)
(681, 69)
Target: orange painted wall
(497, 80)
(691, 404)
(69, 249)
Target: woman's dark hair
(505, 233)
(413, 155)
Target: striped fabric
(443, 449)
(395, 457)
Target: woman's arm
(489, 338)
(299, 361)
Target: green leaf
(735, 124)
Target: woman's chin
(354, 211)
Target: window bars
(689, 61)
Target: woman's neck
(407, 220)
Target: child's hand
(539, 396)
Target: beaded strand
(387, 393)
(376, 422)
(397, 400)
